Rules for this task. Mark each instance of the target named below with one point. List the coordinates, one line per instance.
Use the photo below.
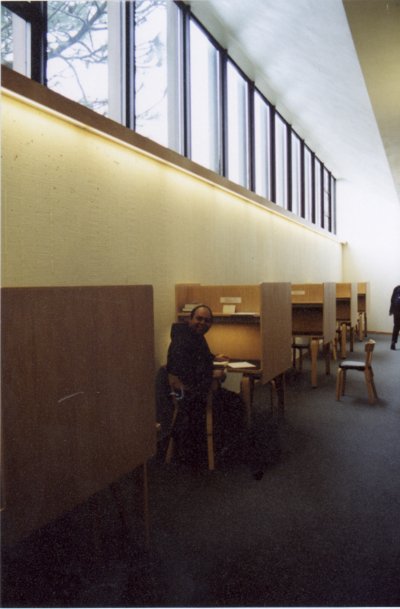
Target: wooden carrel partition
(260, 329)
(314, 310)
(347, 303)
(363, 295)
(78, 396)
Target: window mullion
(251, 138)
(289, 173)
(302, 181)
(273, 154)
(313, 208)
(130, 65)
(39, 42)
(187, 140)
(224, 112)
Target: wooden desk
(346, 314)
(260, 330)
(314, 315)
(78, 397)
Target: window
(307, 184)
(157, 72)
(15, 42)
(77, 52)
(328, 186)
(296, 173)
(262, 139)
(238, 147)
(204, 99)
(318, 192)
(281, 161)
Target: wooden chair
(300, 344)
(364, 366)
(209, 427)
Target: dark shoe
(393, 346)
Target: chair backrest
(369, 347)
(177, 328)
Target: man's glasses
(207, 320)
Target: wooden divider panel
(346, 302)
(249, 296)
(236, 341)
(276, 329)
(362, 297)
(307, 293)
(314, 309)
(329, 327)
(78, 396)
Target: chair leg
(209, 425)
(246, 392)
(372, 395)
(344, 380)
(314, 346)
(170, 450)
(278, 396)
(343, 341)
(327, 355)
(373, 385)
(339, 381)
(171, 442)
(334, 349)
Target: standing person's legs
(396, 330)
(192, 431)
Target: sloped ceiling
(331, 69)
(375, 27)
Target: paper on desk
(233, 381)
(241, 365)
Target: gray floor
(312, 519)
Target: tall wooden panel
(276, 329)
(329, 322)
(78, 397)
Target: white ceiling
(301, 54)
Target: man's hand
(221, 358)
(175, 383)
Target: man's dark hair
(201, 306)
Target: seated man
(192, 375)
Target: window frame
(34, 13)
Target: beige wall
(79, 209)
(369, 224)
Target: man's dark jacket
(189, 358)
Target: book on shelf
(187, 308)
